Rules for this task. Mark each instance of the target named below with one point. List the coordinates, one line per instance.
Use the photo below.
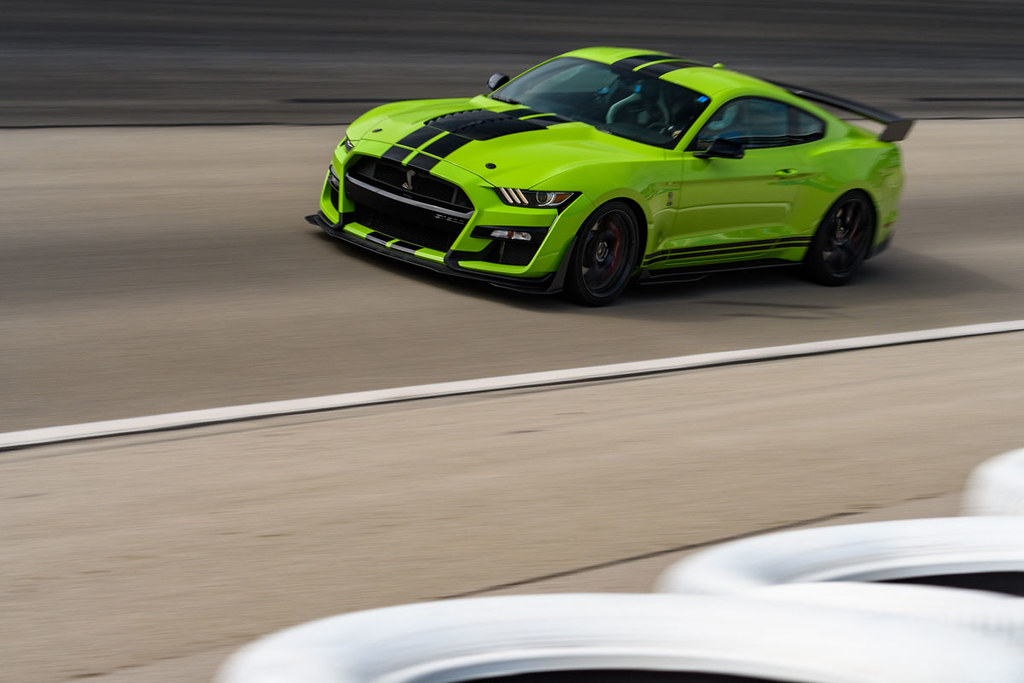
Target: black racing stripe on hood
(662, 68)
(483, 124)
(488, 129)
(458, 118)
(442, 147)
(470, 115)
(418, 137)
(396, 153)
(630, 63)
(423, 162)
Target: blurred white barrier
(879, 551)
(995, 615)
(996, 487)
(475, 639)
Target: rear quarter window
(804, 127)
(760, 123)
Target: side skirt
(691, 273)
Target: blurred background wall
(117, 62)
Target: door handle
(785, 172)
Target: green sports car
(608, 165)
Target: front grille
(408, 205)
(410, 183)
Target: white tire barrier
(995, 615)
(880, 551)
(474, 639)
(996, 487)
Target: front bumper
(400, 210)
(396, 249)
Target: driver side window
(752, 121)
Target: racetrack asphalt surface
(139, 289)
(151, 263)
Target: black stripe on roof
(630, 63)
(662, 68)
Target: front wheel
(842, 241)
(604, 256)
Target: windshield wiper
(504, 99)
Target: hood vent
(482, 124)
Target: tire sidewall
(815, 267)
(575, 286)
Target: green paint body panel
(692, 211)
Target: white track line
(193, 418)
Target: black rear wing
(896, 127)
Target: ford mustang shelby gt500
(607, 164)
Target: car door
(735, 208)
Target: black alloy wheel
(842, 241)
(604, 256)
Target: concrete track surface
(147, 271)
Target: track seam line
(798, 524)
(647, 556)
(254, 411)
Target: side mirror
(496, 81)
(723, 148)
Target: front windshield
(618, 101)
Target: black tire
(841, 242)
(604, 256)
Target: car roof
(715, 81)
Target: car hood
(505, 145)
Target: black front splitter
(545, 284)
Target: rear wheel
(842, 240)
(604, 256)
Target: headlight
(349, 145)
(534, 199)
